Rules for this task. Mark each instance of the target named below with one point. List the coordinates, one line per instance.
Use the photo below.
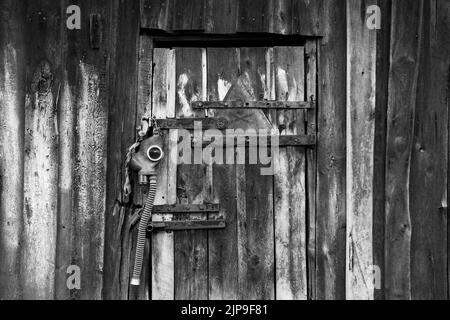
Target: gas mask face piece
(147, 158)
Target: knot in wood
(42, 79)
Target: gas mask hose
(143, 157)
(142, 230)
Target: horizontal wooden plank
(280, 17)
(239, 104)
(187, 208)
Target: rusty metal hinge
(265, 104)
(183, 225)
(189, 123)
(180, 225)
(186, 208)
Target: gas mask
(147, 158)
(144, 161)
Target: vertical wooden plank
(331, 220)
(223, 278)
(382, 81)
(172, 169)
(191, 269)
(40, 186)
(429, 159)
(130, 219)
(114, 270)
(68, 93)
(220, 16)
(188, 15)
(406, 25)
(311, 163)
(257, 248)
(442, 29)
(90, 154)
(253, 16)
(145, 76)
(155, 14)
(222, 244)
(241, 210)
(41, 153)
(88, 80)
(121, 134)
(162, 243)
(65, 193)
(361, 88)
(12, 79)
(191, 261)
(306, 17)
(289, 179)
(89, 181)
(255, 199)
(280, 16)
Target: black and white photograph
(248, 151)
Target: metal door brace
(182, 225)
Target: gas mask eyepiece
(155, 153)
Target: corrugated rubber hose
(142, 230)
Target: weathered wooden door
(262, 253)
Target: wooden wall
(397, 150)
(54, 112)
(68, 110)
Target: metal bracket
(187, 208)
(182, 225)
(302, 140)
(189, 123)
(239, 104)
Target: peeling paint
(66, 137)
(223, 87)
(40, 186)
(282, 82)
(182, 97)
(245, 83)
(90, 174)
